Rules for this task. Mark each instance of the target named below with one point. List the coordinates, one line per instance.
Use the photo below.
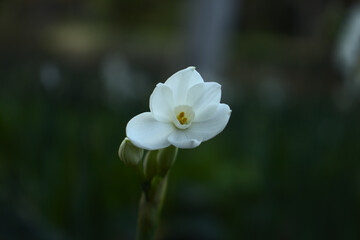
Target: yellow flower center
(181, 118)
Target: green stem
(150, 207)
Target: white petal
(213, 126)
(201, 97)
(181, 81)
(206, 113)
(184, 139)
(147, 133)
(161, 103)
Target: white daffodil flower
(184, 111)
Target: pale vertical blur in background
(72, 73)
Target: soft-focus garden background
(72, 73)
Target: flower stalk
(150, 206)
(156, 167)
(153, 170)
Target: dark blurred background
(72, 73)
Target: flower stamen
(181, 118)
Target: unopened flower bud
(165, 159)
(129, 153)
(150, 164)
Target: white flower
(184, 111)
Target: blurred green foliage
(284, 168)
(291, 173)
